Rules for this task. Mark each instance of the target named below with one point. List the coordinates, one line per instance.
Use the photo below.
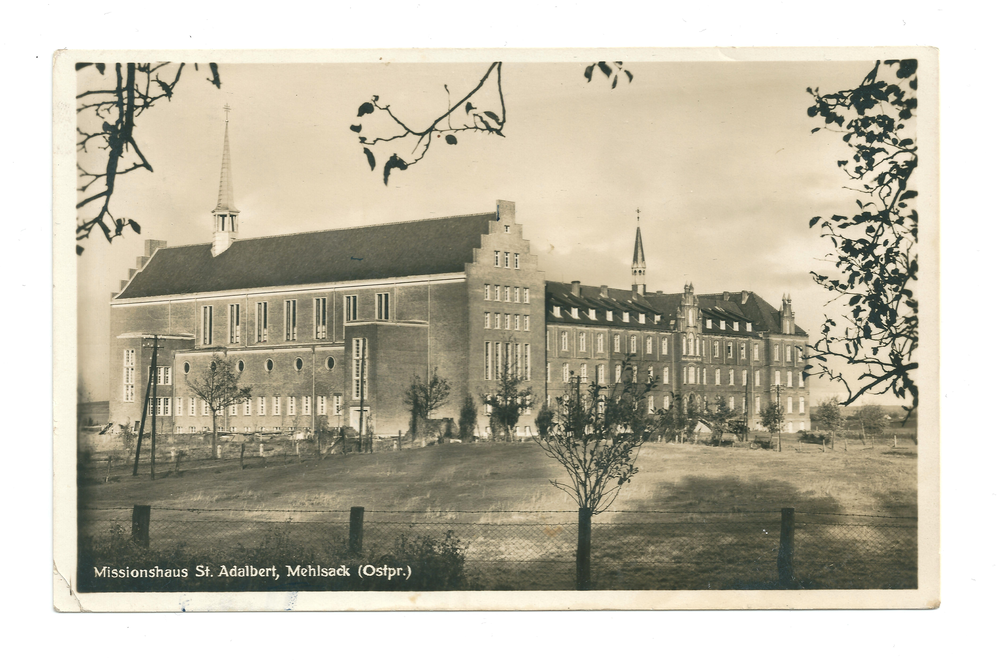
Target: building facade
(328, 326)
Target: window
(261, 322)
(756, 404)
(732, 377)
(732, 403)
(650, 404)
(618, 373)
(518, 364)
(632, 342)
(802, 404)
(788, 354)
(128, 375)
(338, 405)
(583, 341)
(320, 404)
(486, 292)
(506, 321)
(191, 406)
(350, 308)
(600, 343)
(526, 299)
(233, 410)
(496, 320)
(527, 362)
(306, 405)
(527, 322)
(609, 315)
(291, 406)
(583, 372)
(625, 316)
(496, 292)
(359, 354)
(486, 320)
(666, 401)
(496, 258)
(801, 379)
(517, 294)
(729, 349)
(163, 375)
(600, 374)
(789, 382)
(618, 343)
(744, 381)
(382, 306)
(722, 325)
(664, 345)
(187, 367)
(649, 345)
(756, 379)
(506, 259)
(291, 332)
(162, 406)
(261, 405)
(517, 260)
(179, 406)
(517, 321)
(319, 312)
(247, 407)
(565, 373)
(506, 294)
(240, 366)
(777, 378)
(204, 408)
(276, 405)
(234, 324)
(777, 353)
(206, 325)
(268, 365)
(548, 372)
(564, 341)
(642, 318)
(718, 376)
(708, 324)
(789, 407)
(649, 374)
(298, 364)
(666, 375)
(756, 352)
(743, 351)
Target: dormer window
(749, 327)
(609, 315)
(593, 315)
(722, 325)
(625, 317)
(556, 311)
(642, 318)
(656, 318)
(708, 324)
(575, 312)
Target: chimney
(153, 245)
(574, 288)
(604, 290)
(505, 211)
(725, 296)
(744, 297)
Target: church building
(326, 326)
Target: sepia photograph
(521, 329)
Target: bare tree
(218, 385)
(773, 418)
(106, 135)
(508, 402)
(872, 420)
(423, 398)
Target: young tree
(829, 417)
(218, 385)
(872, 420)
(720, 418)
(423, 398)
(467, 418)
(508, 402)
(874, 250)
(774, 418)
(107, 110)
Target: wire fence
(487, 550)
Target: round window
(298, 364)
(269, 364)
(329, 363)
(212, 366)
(187, 367)
(240, 366)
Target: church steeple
(638, 261)
(226, 215)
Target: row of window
(515, 358)
(609, 315)
(277, 405)
(506, 293)
(508, 259)
(507, 321)
(731, 325)
(262, 321)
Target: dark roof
(762, 314)
(422, 247)
(616, 301)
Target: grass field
(694, 517)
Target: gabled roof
(762, 314)
(421, 247)
(616, 301)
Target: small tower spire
(638, 261)
(226, 215)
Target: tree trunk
(215, 436)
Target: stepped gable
(421, 247)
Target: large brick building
(461, 295)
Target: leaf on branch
(135, 226)
(469, 107)
(451, 139)
(614, 82)
(79, 250)
(371, 158)
(628, 73)
(605, 69)
(492, 116)
(393, 162)
(215, 80)
(167, 89)
(356, 128)
(813, 222)
(588, 73)
(366, 108)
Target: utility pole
(152, 434)
(145, 407)
(361, 412)
(777, 400)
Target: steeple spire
(638, 261)
(226, 215)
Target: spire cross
(227, 109)
(637, 215)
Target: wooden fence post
(355, 537)
(583, 550)
(786, 548)
(140, 524)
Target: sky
(718, 156)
